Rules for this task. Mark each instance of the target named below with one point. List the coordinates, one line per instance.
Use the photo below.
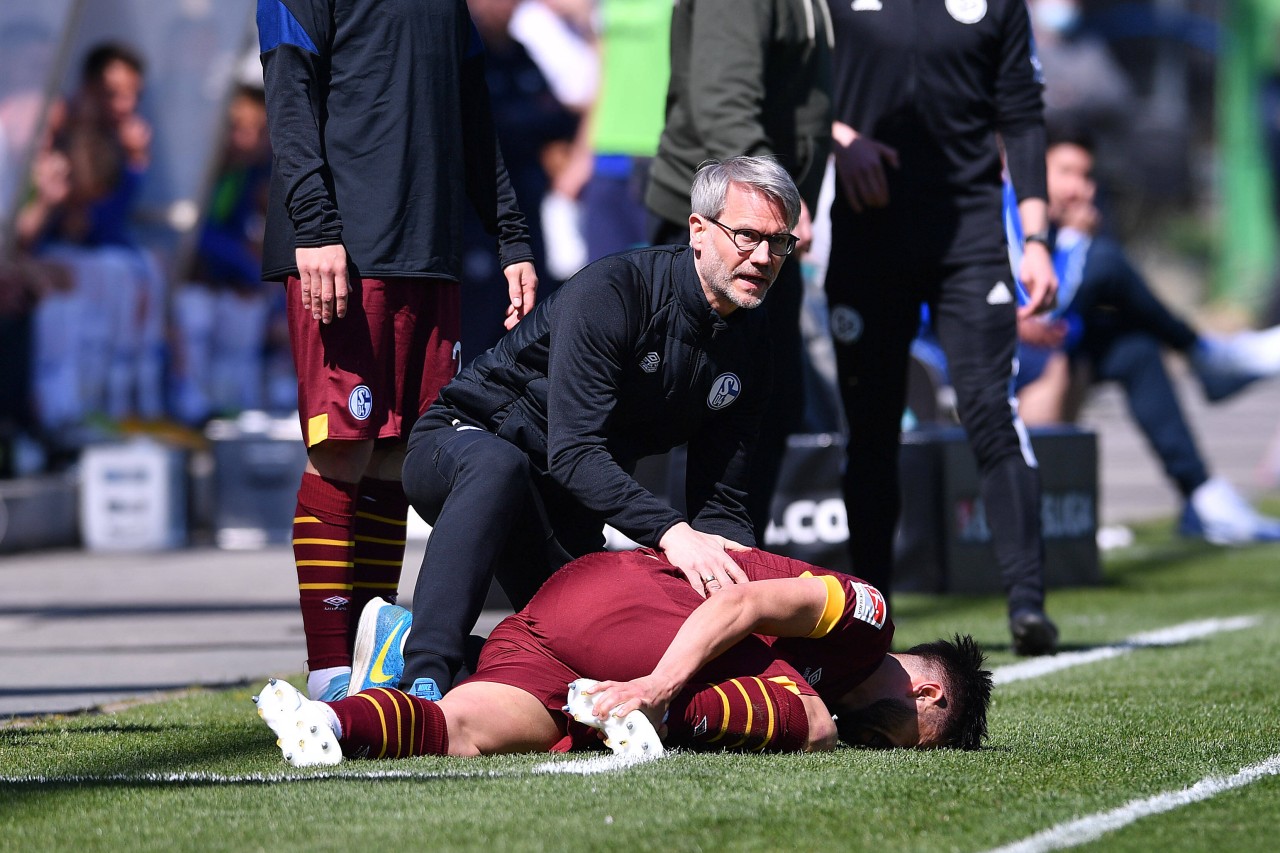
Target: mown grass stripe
(1172, 636)
(1093, 827)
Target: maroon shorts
(373, 372)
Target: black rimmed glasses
(746, 239)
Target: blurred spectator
(527, 118)
(560, 36)
(222, 315)
(99, 348)
(621, 134)
(1085, 85)
(26, 63)
(1114, 329)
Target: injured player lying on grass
(797, 659)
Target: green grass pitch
(1136, 749)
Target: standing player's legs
(477, 492)
(874, 315)
(420, 355)
(975, 317)
(350, 393)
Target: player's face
(886, 723)
(1069, 170)
(732, 278)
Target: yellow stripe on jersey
(724, 717)
(341, 543)
(768, 704)
(381, 716)
(786, 684)
(317, 430)
(834, 608)
(344, 586)
(750, 713)
(398, 522)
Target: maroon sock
(381, 513)
(322, 546)
(748, 714)
(384, 723)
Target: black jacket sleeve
(1020, 105)
(488, 184)
(592, 337)
(296, 80)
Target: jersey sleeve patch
(834, 608)
(277, 26)
(869, 605)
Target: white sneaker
(302, 727)
(632, 735)
(1221, 515)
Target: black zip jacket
(380, 128)
(937, 80)
(627, 360)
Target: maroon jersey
(612, 615)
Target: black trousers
(493, 515)
(874, 307)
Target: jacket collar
(694, 301)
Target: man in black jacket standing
(381, 132)
(921, 93)
(531, 449)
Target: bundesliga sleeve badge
(869, 605)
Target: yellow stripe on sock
(366, 562)
(305, 519)
(768, 704)
(413, 728)
(395, 700)
(342, 543)
(750, 712)
(378, 541)
(345, 586)
(398, 522)
(371, 585)
(342, 564)
(381, 716)
(724, 718)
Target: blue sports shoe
(378, 660)
(426, 688)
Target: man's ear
(697, 231)
(930, 692)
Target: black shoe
(1033, 634)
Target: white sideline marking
(1094, 826)
(1172, 636)
(578, 767)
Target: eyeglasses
(746, 239)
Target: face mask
(1055, 16)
